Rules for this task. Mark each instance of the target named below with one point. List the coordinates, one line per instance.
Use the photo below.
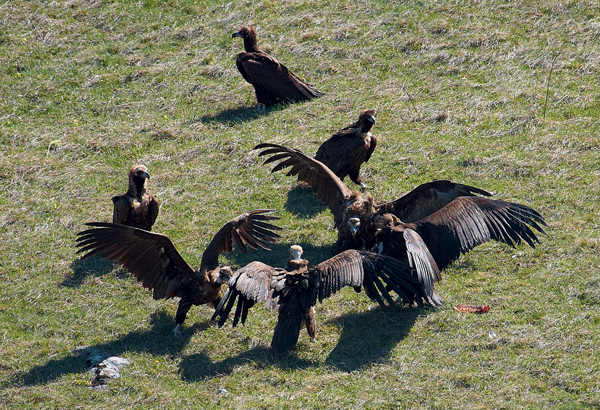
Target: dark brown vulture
(272, 81)
(154, 261)
(346, 150)
(474, 220)
(137, 207)
(294, 291)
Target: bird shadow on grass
(158, 340)
(232, 116)
(303, 203)
(92, 266)
(367, 338)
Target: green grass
(88, 88)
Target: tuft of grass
(462, 93)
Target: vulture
(137, 207)
(294, 291)
(441, 215)
(272, 81)
(346, 150)
(154, 261)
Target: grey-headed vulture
(137, 207)
(154, 261)
(272, 81)
(355, 215)
(346, 150)
(294, 291)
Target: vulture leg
(182, 310)
(355, 177)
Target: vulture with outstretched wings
(463, 224)
(137, 207)
(346, 150)
(272, 81)
(154, 261)
(294, 291)
(472, 219)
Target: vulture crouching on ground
(346, 150)
(294, 291)
(137, 207)
(441, 215)
(272, 81)
(154, 261)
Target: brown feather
(137, 207)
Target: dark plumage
(137, 207)
(154, 261)
(294, 291)
(355, 214)
(458, 227)
(346, 150)
(272, 81)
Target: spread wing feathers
(254, 283)
(421, 259)
(428, 198)
(150, 257)
(470, 221)
(324, 183)
(249, 228)
(263, 71)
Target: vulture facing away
(441, 216)
(346, 150)
(137, 207)
(294, 291)
(272, 81)
(154, 261)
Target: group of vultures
(398, 247)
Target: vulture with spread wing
(272, 81)
(294, 291)
(137, 207)
(154, 261)
(439, 209)
(346, 150)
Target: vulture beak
(145, 175)
(236, 34)
(371, 119)
(354, 224)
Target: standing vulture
(137, 207)
(346, 150)
(154, 261)
(294, 291)
(472, 220)
(272, 81)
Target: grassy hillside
(464, 92)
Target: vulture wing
(428, 198)
(268, 75)
(150, 257)
(328, 187)
(468, 222)
(250, 228)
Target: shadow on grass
(92, 266)
(232, 116)
(367, 338)
(303, 203)
(158, 340)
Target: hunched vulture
(137, 207)
(347, 149)
(294, 291)
(154, 261)
(272, 81)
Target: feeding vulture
(346, 150)
(272, 81)
(294, 291)
(154, 261)
(137, 207)
(469, 222)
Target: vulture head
(296, 252)
(355, 226)
(366, 119)
(138, 178)
(225, 273)
(250, 39)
